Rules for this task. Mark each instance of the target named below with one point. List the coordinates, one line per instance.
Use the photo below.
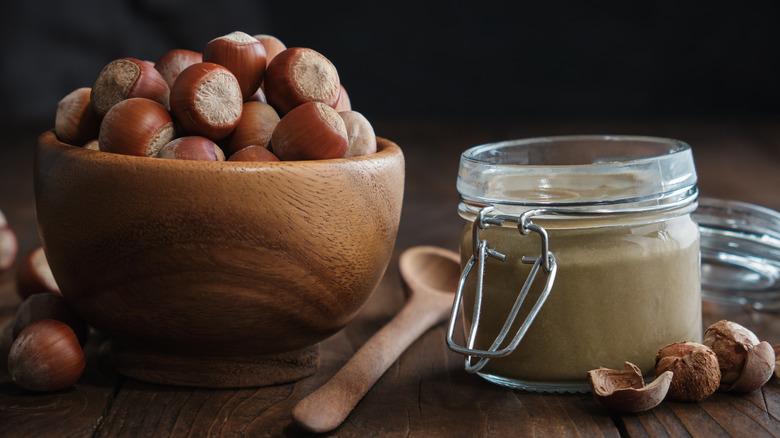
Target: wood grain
(223, 261)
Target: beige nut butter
(618, 223)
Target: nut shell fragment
(759, 366)
(746, 364)
(626, 391)
(777, 360)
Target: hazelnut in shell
(9, 247)
(34, 275)
(343, 103)
(206, 101)
(360, 134)
(253, 153)
(273, 46)
(625, 390)
(746, 363)
(312, 131)
(125, 78)
(76, 122)
(173, 62)
(192, 148)
(299, 75)
(258, 121)
(136, 126)
(46, 356)
(48, 306)
(695, 368)
(243, 55)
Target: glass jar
(578, 252)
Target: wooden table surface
(425, 393)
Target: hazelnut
(253, 153)
(360, 134)
(192, 148)
(46, 356)
(746, 364)
(136, 126)
(695, 368)
(299, 75)
(206, 101)
(625, 390)
(343, 103)
(48, 306)
(34, 275)
(125, 78)
(273, 46)
(9, 248)
(76, 122)
(243, 55)
(257, 123)
(312, 131)
(172, 62)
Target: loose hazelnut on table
(253, 153)
(695, 368)
(9, 246)
(257, 123)
(625, 390)
(206, 101)
(192, 148)
(173, 62)
(299, 75)
(76, 122)
(312, 131)
(746, 363)
(46, 356)
(136, 126)
(48, 306)
(125, 78)
(34, 275)
(360, 134)
(243, 55)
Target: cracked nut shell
(625, 390)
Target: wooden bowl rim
(385, 150)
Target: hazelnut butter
(605, 223)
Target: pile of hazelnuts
(244, 98)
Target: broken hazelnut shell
(625, 390)
(746, 364)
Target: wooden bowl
(216, 274)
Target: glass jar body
(625, 287)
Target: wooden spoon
(430, 277)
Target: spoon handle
(326, 408)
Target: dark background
(444, 60)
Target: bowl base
(214, 371)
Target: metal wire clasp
(481, 252)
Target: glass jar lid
(740, 253)
(576, 171)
